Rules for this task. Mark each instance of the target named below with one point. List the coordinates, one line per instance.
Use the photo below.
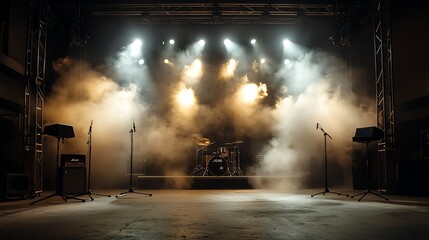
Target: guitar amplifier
(72, 180)
(72, 160)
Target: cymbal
(203, 142)
(232, 143)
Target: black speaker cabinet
(18, 184)
(73, 180)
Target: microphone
(317, 126)
(134, 127)
(90, 128)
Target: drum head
(218, 166)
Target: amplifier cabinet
(72, 160)
(72, 180)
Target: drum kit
(225, 161)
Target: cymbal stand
(58, 192)
(130, 190)
(198, 167)
(325, 158)
(233, 159)
(239, 171)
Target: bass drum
(218, 166)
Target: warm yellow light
(251, 92)
(194, 71)
(186, 97)
(228, 69)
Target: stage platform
(216, 182)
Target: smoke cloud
(276, 126)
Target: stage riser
(211, 182)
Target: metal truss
(215, 13)
(384, 97)
(34, 90)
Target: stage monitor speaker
(18, 184)
(73, 180)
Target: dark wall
(411, 79)
(13, 52)
(12, 88)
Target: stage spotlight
(287, 61)
(186, 97)
(202, 42)
(172, 41)
(141, 61)
(166, 61)
(253, 41)
(228, 69)
(262, 61)
(137, 43)
(251, 92)
(194, 71)
(135, 48)
(286, 42)
(227, 42)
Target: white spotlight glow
(202, 42)
(287, 61)
(286, 42)
(137, 43)
(227, 42)
(135, 48)
(166, 61)
(253, 41)
(262, 61)
(141, 61)
(172, 41)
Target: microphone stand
(130, 190)
(325, 157)
(89, 193)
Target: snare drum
(223, 152)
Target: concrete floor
(217, 214)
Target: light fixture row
(226, 42)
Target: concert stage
(217, 182)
